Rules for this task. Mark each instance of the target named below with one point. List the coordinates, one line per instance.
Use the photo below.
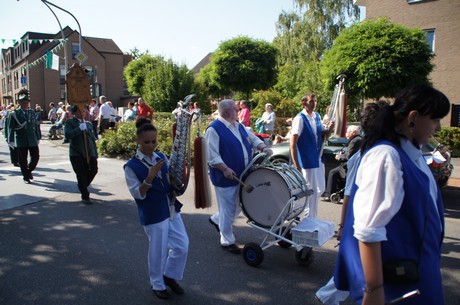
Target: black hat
(23, 95)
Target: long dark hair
(424, 99)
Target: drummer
(229, 149)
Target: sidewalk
(454, 180)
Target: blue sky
(183, 30)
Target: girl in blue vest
(396, 216)
(159, 212)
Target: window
(430, 39)
(75, 49)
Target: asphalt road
(55, 250)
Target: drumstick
(247, 187)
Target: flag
(52, 61)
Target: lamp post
(66, 60)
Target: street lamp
(66, 60)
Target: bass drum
(274, 186)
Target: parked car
(432, 151)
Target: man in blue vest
(229, 148)
(306, 142)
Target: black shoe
(30, 176)
(234, 249)
(171, 283)
(86, 200)
(214, 224)
(26, 180)
(161, 294)
(16, 164)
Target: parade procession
(311, 155)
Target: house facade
(24, 66)
(440, 19)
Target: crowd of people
(389, 189)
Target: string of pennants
(30, 41)
(43, 58)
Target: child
(146, 178)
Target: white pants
(168, 249)
(229, 209)
(330, 295)
(316, 178)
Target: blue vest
(415, 233)
(154, 207)
(231, 153)
(309, 147)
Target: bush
(450, 136)
(121, 142)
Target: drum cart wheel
(253, 254)
(335, 198)
(304, 256)
(284, 244)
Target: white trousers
(316, 178)
(330, 295)
(229, 209)
(168, 249)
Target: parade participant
(229, 148)
(306, 143)
(329, 294)
(143, 110)
(395, 192)
(24, 135)
(82, 151)
(12, 148)
(146, 178)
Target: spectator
(244, 116)
(104, 114)
(268, 119)
(144, 110)
(130, 114)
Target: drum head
(270, 195)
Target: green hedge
(121, 142)
(450, 136)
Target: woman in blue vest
(159, 212)
(392, 237)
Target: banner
(52, 61)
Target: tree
(160, 82)
(136, 71)
(379, 58)
(243, 64)
(302, 38)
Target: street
(56, 250)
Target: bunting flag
(52, 61)
(10, 41)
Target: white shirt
(105, 111)
(212, 142)
(297, 123)
(131, 179)
(269, 118)
(380, 194)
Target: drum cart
(277, 196)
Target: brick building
(440, 19)
(23, 66)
